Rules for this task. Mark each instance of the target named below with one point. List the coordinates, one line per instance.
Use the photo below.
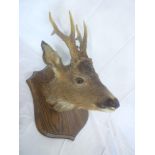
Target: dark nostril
(109, 103)
(116, 103)
(112, 103)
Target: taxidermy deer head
(76, 85)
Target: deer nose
(114, 103)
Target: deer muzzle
(110, 103)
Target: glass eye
(79, 80)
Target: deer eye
(79, 80)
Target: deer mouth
(106, 109)
(95, 107)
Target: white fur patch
(63, 106)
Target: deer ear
(50, 57)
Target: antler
(70, 40)
(83, 42)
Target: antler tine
(84, 42)
(72, 33)
(79, 37)
(56, 30)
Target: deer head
(76, 85)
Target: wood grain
(49, 122)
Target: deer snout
(109, 103)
